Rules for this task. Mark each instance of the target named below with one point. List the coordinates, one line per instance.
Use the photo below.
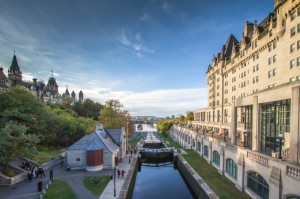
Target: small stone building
(101, 149)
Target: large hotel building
(251, 129)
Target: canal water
(160, 182)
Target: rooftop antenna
(52, 73)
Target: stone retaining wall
(195, 182)
(128, 185)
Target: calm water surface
(160, 183)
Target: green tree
(189, 117)
(16, 142)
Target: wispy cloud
(136, 45)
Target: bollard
(44, 191)
(46, 186)
(49, 182)
(41, 196)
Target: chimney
(99, 127)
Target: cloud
(136, 45)
(155, 102)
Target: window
(231, 168)
(269, 74)
(293, 15)
(216, 158)
(206, 151)
(275, 70)
(258, 185)
(298, 11)
(274, 119)
(292, 79)
(270, 61)
(298, 45)
(292, 48)
(198, 146)
(292, 63)
(298, 61)
(298, 77)
(274, 58)
(298, 28)
(274, 44)
(293, 31)
(270, 33)
(270, 47)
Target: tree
(16, 142)
(111, 116)
(189, 117)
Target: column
(294, 126)
(255, 124)
(233, 125)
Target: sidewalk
(109, 190)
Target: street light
(245, 140)
(280, 137)
(115, 170)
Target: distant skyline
(152, 55)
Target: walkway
(74, 178)
(109, 190)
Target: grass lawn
(96, 184)
(222, 186)
(171, 142)
(59, 190)
(45, 154)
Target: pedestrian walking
(129, 160)
(119, 173)
(40, 185)
(122, 173)
(42, 173)
(62, 160)
(29, 176)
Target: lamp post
(245, 140)
(127, 135)
(115, 170)
(280, 137)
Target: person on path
(40, 185)
(29, 176)
(119, 173)
(129, 160)
(122, 173)
(62, 160)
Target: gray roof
(116, 135)
(92, 141)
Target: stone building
(47, 92)
(250, 129)
(101, 149)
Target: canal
(160, 182)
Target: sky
(151, 55)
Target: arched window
(258, 185)
(206, 151)
(231, 168)
(199, 146)
(216, 158)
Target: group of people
(121, 173)
(35, 173)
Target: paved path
(109, 190)
(74, 178)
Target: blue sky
(152, 55)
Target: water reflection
(160, 183)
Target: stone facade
(253, 99)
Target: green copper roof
(14, 65)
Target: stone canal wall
(128, 185)
(195, 182)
